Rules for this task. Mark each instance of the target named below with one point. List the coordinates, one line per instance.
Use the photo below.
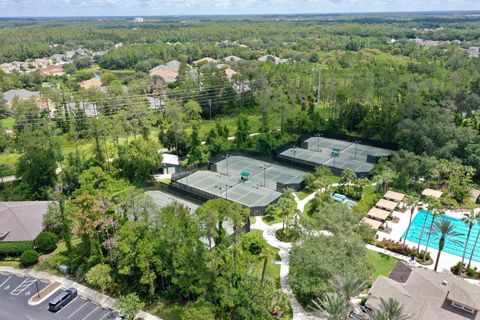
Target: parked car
(62, 299)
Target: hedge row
(14, 249)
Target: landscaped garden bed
(472, 273)
(421, 257)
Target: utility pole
(210, 105)
(319, 85)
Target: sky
(57, 8)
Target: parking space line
(69, 304)
(22, 286)
(83, 305)
(106, 314)
(1, 285)
(91, 313)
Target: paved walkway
(269, 234)
(101, 299)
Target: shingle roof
(461, 295)
(8, 96)
(427, 295)
(232, 59)
(91, 83)
(21, 221)
(168, 71)
(401, 272)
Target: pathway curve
(299, 312)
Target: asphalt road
(15, 292)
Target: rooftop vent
(444, 282)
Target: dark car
(62, 299)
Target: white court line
(91, 313)
(1, 285)
(86, 302)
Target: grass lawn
(10, 263)
(369, 198)
(381, 263)
(271, 220)
(302, 194)
(10, 161)
(8, 123)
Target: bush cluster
(14, 249)
(29, 258)
(253, 242)
(402, 249)
(46, 242)
(471, 272)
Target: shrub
(456, 268)
(29, 258)
(396, 247)
(253, 242)
(14, 249)
(100, 277)
(46, 241)
(199, 310)
(291, 236)
(471, 273)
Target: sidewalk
(269, 234)
(101, 299)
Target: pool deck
(447, 260)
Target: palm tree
(266, 254)
(389, 310)
(332, 307)
(436, 211)
(430, 202)
(470, 219)
(412, 202)
(474, 245)
(348, 285)
(445, 229)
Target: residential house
(427, 295)
(7, 67)
(22, 94)
(205, 60)
(53, 70)
(232, 59)
(168, 72)
(57, 58)
(95, 83)
(473, 52)
(156, 103)
(42, 62)
(272, 58)
(22, 220)
(229, 72)
(89, 109)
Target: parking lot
(15, 292)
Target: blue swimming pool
(450, 247)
